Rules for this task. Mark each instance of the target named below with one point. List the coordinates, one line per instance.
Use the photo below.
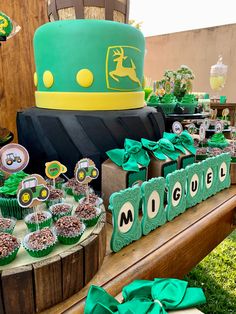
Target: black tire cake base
(68, 136)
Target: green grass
(216, 275)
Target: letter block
(176, 200)
(194, 184)
(223, 171)
(125, 217)
(153, 209)
(209, 186)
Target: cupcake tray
(31, 285)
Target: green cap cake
(89, 65)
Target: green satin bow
(182, 141)
(130, 157)
(161, 149)
(155, 297)
(10, 186)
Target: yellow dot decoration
(48, 79)
(35, 79)
(84, 78)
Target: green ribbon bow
(161, 149)
(131, 157)
(182, 141)
(10, 186)
(154, 297)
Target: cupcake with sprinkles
(9, 246)
(40, 243)
(38, 220)
(88, 213)
(7, 225)
(69, 229)
(60, 210)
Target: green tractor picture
(85, 170)
(11, 158)
(30, 191)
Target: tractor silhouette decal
(31, 191)
(11, 158)
(86, 171)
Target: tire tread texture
(68, 136)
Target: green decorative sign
(194, 184)
(223, 171)
(153, 204)
(176, 200)
(209, 177)
(125, 211)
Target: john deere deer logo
(123, 58)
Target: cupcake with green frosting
(218, 140)
(9, 246)
(168, 103)
(188, 103)
(153, 100)
(8, 197)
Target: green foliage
(216, 274)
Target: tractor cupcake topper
(13, 158)
(86, 171)
(32, 191)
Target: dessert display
(69, 229)
(7, 225)
(60, 210)
(9, 246)
(38, 220)
(88, 213)
(40, 242)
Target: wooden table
(169, 251)
(230, 106)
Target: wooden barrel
(115, 10)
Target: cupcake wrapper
(11, 208)
(70, 240)
(32, 226)
(68, 190)
(8, 259)
(77, 197)
(55, 217)
(38, 253)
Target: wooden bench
(169, 251)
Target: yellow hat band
(89, 101)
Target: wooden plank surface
(17, 286)
(183, 242)
(91, 252)
(102, 238)
(17, 60)
(72, 271)
(1, 297)
(50, 294)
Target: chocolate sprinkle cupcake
(69, 229)
(9, 246)
(38, 220)
(7, 225)
(40, 243)
(88, 213)
(60, 210)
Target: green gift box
(125, 168)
